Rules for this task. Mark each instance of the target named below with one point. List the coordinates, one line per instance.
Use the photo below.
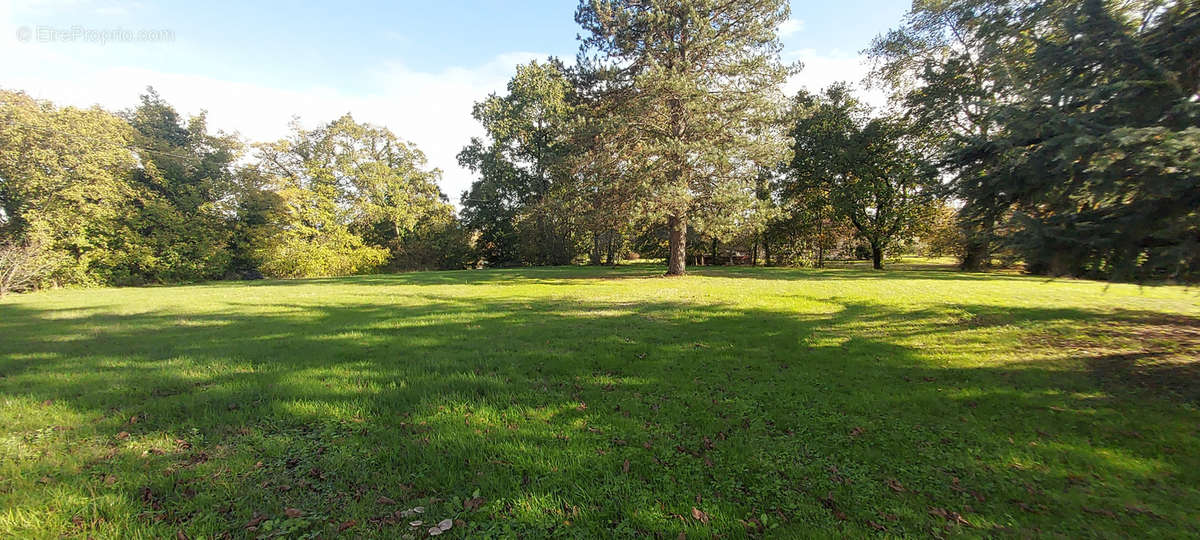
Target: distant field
(581, 402)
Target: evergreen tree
(694, 89)
(1098, 145)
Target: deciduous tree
(871, 170)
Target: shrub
(23, 267)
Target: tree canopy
(1059, 135)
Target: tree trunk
(754, 253)
(612, 249)
(595, 256)
(677, 246)
(977, 255)
(714, 251)
(766, 250)
(876, 256)
(820, 242)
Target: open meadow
(587, 402)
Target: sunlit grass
(583, 402)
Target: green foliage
(438, 242)
(149, 197)
(870, 171)
(185, 185)
(1101, 147)
(524, 203)
(331, 253)
(346, 190)
(692, 101)
(1074, 120)
(940, 234)
(64, 186)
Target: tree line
(1061, 134)
(92, 197)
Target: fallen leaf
(857, 431)
(876, 526)
(123, 435)
(954, 517)
(415, 524)
(384, 500)
(473, 503)
(625, 467)
(828, 502)
(255, 521)
(445, 524)
(434, 531)
(346, 525)
(1099, 511)
(895, 485)
(293, 512)
(699, 515)
(1133, 509)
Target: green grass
(579, 402)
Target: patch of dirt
(1161, 354)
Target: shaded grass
(581, 402)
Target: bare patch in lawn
(1160, 354)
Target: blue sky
(415, 67)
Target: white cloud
(821, 71)
(431, 109)
(791, 27)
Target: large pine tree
(695, 96)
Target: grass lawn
(580, 402)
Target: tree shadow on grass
(572, 418)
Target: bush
(23, 267)
(286, 256)
(441, 244)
